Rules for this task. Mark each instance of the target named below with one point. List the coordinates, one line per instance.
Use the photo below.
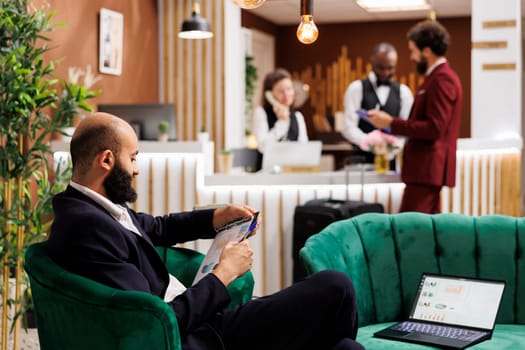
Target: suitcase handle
(361, 162)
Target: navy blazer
(85, 239)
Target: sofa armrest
(74, 312)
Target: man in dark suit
(96, 235)
(432, 129)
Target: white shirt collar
(439, 61)
(118, 212)
(111, 207)
(373, 78)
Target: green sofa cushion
(505, 337)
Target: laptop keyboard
(440, 331)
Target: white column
(234, 73)
(496, 93)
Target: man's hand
(236, 259)
(380, 119)
(225, 215)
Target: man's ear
(106, 159)
(426, 52)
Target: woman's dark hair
(271, 79)
(431, 34)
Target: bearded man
(432, 129)
(96, 235)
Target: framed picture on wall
(111, 37)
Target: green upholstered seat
(385, 254)
(73, 312)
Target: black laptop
(450, 312)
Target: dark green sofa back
(385, 254)
(73, 312)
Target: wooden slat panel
(499, 24)
(329, 83)
(497, 185)
(511, 188)
(489, 44)
(221, 142)
(499, 66)
(196, 93)
(191, 70)
(166, 60)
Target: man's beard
(118, 185)
(387, 81)
(422, 66)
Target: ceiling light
(195, 27)
(393, 5)
(307, 31)
(249, 4)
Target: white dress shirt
(121, 214)
(352, 102)
(265, 135)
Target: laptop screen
(458, 301)
(292, 153)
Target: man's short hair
(383, 47)
(86, 145)
(431, 34)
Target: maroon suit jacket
(432, 129)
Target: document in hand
(363, 115)
(235, 231)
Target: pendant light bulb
(248, 4)
(307, 31)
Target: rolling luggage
(316, 214)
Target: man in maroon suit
(429, 156)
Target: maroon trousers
(421, 198)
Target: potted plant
(225, 161)
(202, 135)
(163, 128)
(74, 74)
(34, 106)
(250, 76)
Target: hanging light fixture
(195, 27)
(249, 4)
(307, 31)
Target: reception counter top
(320, 178)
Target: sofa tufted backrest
(385, 254)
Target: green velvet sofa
(385, 254)
(73, 312)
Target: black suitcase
(314, 215)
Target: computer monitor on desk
(292, 156)
(247, 158)
(144, 118)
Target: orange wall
(77, 44)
